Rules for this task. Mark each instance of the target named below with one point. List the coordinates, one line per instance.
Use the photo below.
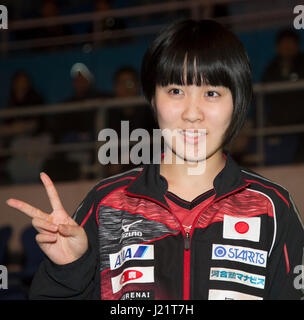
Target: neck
(188, 185)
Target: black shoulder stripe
(130, 174)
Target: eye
(211, 93)
(175, 91)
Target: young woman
(159, 232)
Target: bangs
(192, 68)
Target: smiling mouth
(192, 135)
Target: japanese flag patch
(242, 228)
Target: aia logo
(129, 275)
(132, 252)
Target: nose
(193, 111)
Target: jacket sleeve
(76, 280)
(286, 261)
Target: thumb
(68, 230)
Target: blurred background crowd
(70, 68)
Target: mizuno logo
(130, 234)
(127, 227)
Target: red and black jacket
(244, 244)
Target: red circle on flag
(129, 275)
(241, 227)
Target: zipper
(187, 237)
(187, 244)
(187, 241)
(187, 266)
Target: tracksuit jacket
(246, 243)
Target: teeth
(191, 133)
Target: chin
(208, 154)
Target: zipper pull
(187, 241)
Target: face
(126, 85)
(196, 116)
(21, 86)
(81, 85)
(49, 9)
(288, 48)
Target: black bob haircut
(190, 52)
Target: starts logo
(240, 254)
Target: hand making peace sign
(59, 237)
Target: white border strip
(265, 179)
(274, 218)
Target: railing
(195, 8)
(102, 105)
(260, 131)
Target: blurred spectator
(78, 126)
(19, 9)
(126, 85)
(209, 10)
(22, 92)
(287, 65)
(75, 127)
(24, 135)
(83, 84)
(72, 7)
(285, 108)
(107, 24)
(50, 9)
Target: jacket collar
(150, 184)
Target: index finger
(27, 208)
(51, 191)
